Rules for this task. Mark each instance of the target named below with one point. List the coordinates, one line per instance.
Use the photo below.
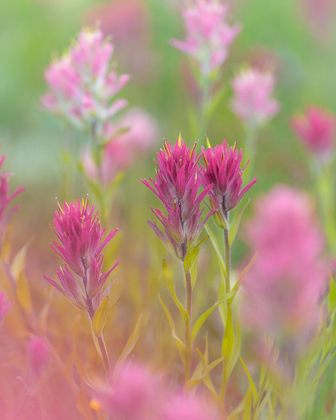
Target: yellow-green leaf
(23, 292)
(99, 318)
(217, 249)
(234, 225)
(252, 385)
(248, 405)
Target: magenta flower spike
(316, 129)
(6, 199)
(81, 242)
(253, 100)
(222, 169)
(82, 84)
(208, 36)
(177, 184)
(4, 306)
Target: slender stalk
(188, 343)
(205, 94)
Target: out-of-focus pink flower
(136, 395)
(177, 184)
(5, 200)
(82, 84)
(4, 306)
(222, 169)
(253, 100)
(320, 15)
(78, 229)
(208, 35)
(316, 129)
(184, 407)
(284, 286)
(38, 356)
(125, 148)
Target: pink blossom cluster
(77, 227)
(208, 35)
(253, 100)
(82, 84)
(316, 129)
(120, 152)
(285, 285)
(139, 394)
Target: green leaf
(248, 405)
(217, 249)
(242, 275)
(99, 318)
(332, 296)
(168, 277)
(228, 339)
(252, 385)
(192, 255)
(234, 225)
(179, 343)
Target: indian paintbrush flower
(208, 34)
(81, 242)
(316, 129)
(177, 184)
(222, 169)
(253, 100)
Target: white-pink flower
(208, 36)
(82, 84)
(253, 100)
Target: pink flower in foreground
(125, 148)
(135, 395)
(5, 200)
(38, 355)
(77, 227)
(253, 100)
(316, 129)
(82, 84)
(177, 184)
(4, 306)
(222, 169)
(284, 286)
(184, 407)
(208, 35)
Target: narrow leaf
(99, 318)
(234, 225)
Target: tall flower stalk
(82, 281)
(176, 185)
(222, 169)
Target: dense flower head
(121, 151)
(4, 306)
(177, 184)
(77, 227)
(135, 395)
(81, 84)
(186, 407)
(38, 355)
(316, 129)
(222, 169)
(253, 100)
(5, 199)
(285, 284)
(208, 35)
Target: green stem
(205, 94)
(188, 343)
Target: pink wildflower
(316, 129)
(38, 355)
(184, 407)
(82, 84)
(253, 100)
(222, 169)
(285, 284)
(5, 200)
(208, 35)
(136, 395)
(78, 230)
(177, 184)
(4, 306)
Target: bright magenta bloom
(4, 306)
(177, 184)
(5, 200)
(253, 100)
(208, 35)
(38, 356)
(184, 407)
(136, 395)
(222, 169)
(316, 129)
(285, 285)
(77, 226)
(82, 84)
